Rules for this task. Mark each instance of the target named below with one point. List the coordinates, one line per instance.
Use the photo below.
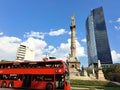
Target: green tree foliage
(4, 60)
(112, 72)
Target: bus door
(26, 81)
(59, 82)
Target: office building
(97, 38)
(24, 53)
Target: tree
(112, 72)
(4, 60)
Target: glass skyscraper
(97, 39)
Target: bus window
(10, 77)
(1, 66)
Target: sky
(44, 26)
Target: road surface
(25, 89)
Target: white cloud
(63, 50)
(50, 47)
(57, 32)
(69, 33)
(115, 56)
(80, 51)
(118, 20)
(34, 43)
(8, 47)
(84, 40)
(37, 45)
(115, 21)
(1, 33)
(117, 24)
(117, 27)
(41, 35)
(34, 34)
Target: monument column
(72, 61)
(73, 38)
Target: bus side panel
(67, 86)
(40, 84)
(17, 84)
(0, 82)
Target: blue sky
(44, 26)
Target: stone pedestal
(100, 75)
(100, 72)
(85, 73)
(74, 67)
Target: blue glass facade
(97, 39)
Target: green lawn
(94, 84)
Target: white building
(24, 53)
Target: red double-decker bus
(42, 75)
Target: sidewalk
(75, 88)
